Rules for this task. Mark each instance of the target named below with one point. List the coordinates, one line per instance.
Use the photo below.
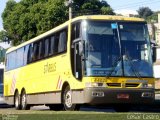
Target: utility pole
(69, 3)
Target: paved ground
(153, 108)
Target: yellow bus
(94, 59)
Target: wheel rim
(23, 100)
(68, 99)
(16, 102)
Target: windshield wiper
(134, 70)
(115, 64)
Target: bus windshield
(117, 49)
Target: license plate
(123, 96)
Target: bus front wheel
(67, 100)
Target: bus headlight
(150, 86)
(146, 85)
(95, 84)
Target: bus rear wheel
(17, 101)
(67, 100)
(24, 105)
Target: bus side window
(11, 60)
(46, 47)
(56, 43)
(7, 63)
(41, 50)
(19, 57)
(52, 46)
(26, 50)
(35, 51)
(62, 46)
(30, 53)
(1, 75)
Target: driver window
(75, 31)
(74, 35)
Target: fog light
(146, 85)
(150, 86)
(147, 94)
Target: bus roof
(109, 17)
(92, 17)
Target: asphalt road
(151, 108)
(154, 108)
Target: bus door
(78, 60)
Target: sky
(132, 6)
(119, 6)
(2, 6)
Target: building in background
(154, 31)
(157, 32)
(3, 47)
(127, 13)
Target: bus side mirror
(81, 50)
(154, 54)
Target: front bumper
(118, 96)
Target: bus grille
(127, 85)
(132, 85)
(114, 84)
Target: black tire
(56, 107)
(23, 100)
(17, 101)
(67, 100)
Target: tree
(144, 12)
(29, 18)
(4, 36)
(153, 18)
(107, 10)
(91, 7)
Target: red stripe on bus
(58, 82)
(13, 85)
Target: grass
(65, 116)
(70, 117)
(79, 115)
